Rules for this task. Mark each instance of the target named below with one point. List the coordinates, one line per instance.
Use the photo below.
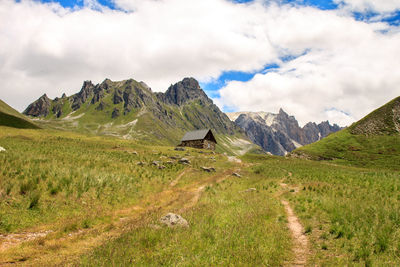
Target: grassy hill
(76, 199)
(83, 200)
(130, 110)
(12, 118)
(72, 193)
(374, 141)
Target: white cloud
(348, 65)
(343, 64)
(380, 6)
(46, 48)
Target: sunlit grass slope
(379, 151)
(49, 176)
(351, 215)
(373, 141)
(228, 227)
(12, 118)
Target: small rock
(184, 161)
(134, 153)
(140, 163)
(179, 149)
(208, 169)
(250, 190)
(155, 163)
(169, 162)
(161, 167)
(236, 174)
(174, 157)
(2, 149)
(115, 113)
(172, 220)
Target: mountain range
(131, 110)
(280, 133)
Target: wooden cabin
(199, 139)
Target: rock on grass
(173, 220)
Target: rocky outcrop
(115, 113)
(81, 97)
(280, 133)
(57, 109)
(183, 107)
(184, 91)
(39, 108)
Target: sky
(319, 60)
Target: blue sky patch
(212, 87)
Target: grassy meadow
(103, 209)
(228, 227)
(350, 214)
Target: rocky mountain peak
(280, 133)
(41, 107)
(190, 83)
(83, 95)
(282, 112)
(184, 91)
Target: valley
(87, 202)
(74, 197)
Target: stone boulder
(184, 161)
(208, 169)
(173, 220)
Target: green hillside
(130, 110)
(12, 118)
(374, 141)
(382, 121)
(68, 199)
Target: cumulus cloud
(345, 67)
(330, 65)
(48, 48)
(370, 5)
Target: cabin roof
(196, 135)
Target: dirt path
(300, 240)
(175, 182)
(12, 240)
(69, 247)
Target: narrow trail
(71, 246)
(300, 240)
(176, 180)
(12, 240)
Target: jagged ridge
(280, 133)
(130, 109)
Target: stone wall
(203, 144)
(208, 145)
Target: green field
(98, 207)
(12, 118)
